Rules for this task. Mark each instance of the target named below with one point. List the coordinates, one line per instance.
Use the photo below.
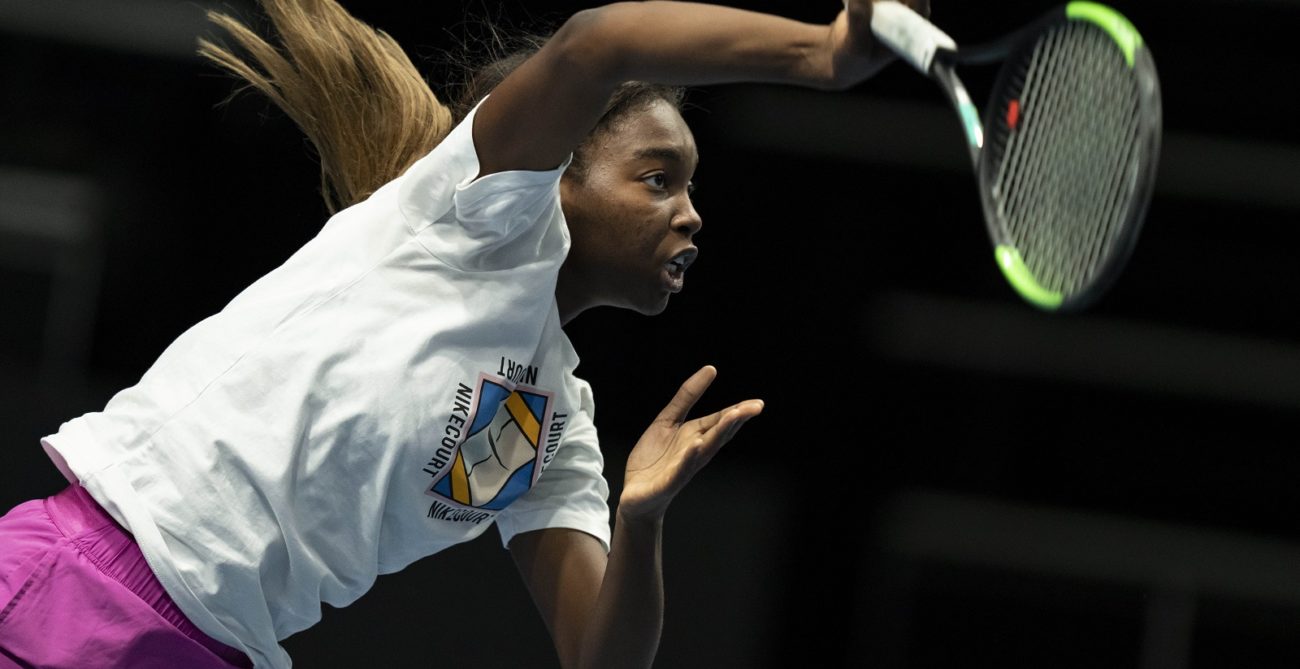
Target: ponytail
(349, 87)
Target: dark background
(943, 477)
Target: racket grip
(908, 34)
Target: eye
(690, 188)
(658, 180)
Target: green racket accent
(974, 129)
(1120, 29)
(1013, 267)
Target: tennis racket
(1065, 154)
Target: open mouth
(682, 260)
(675, 269)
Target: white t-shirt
(383, 395)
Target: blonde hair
(349, 87)
(362, 103)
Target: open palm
(673, 449)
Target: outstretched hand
(673, 448)
(856, 54)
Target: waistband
(75, 513)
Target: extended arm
(536, 117)
(608, 612)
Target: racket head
(1071, 143)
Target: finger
(739, 416)
(921, 7)
(857, 21)
(859, 13)
(726, 428)
(686, 397)
(717, 429)
(741, 411)
(724, 418)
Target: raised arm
(545, 108)
(607, 611)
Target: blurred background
(943, 477)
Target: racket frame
(940, 64)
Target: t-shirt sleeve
(572, 493)
(462, 218)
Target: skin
(628, 216)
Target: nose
(688, 221)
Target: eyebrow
(667, 153)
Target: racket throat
(971, 125)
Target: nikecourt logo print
(499, 459)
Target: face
(630, 215)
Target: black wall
(943, 475)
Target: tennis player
(403, 381)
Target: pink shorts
(75, 591)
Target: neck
(570, 297)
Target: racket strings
(1065, 177)
(1070, 250)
